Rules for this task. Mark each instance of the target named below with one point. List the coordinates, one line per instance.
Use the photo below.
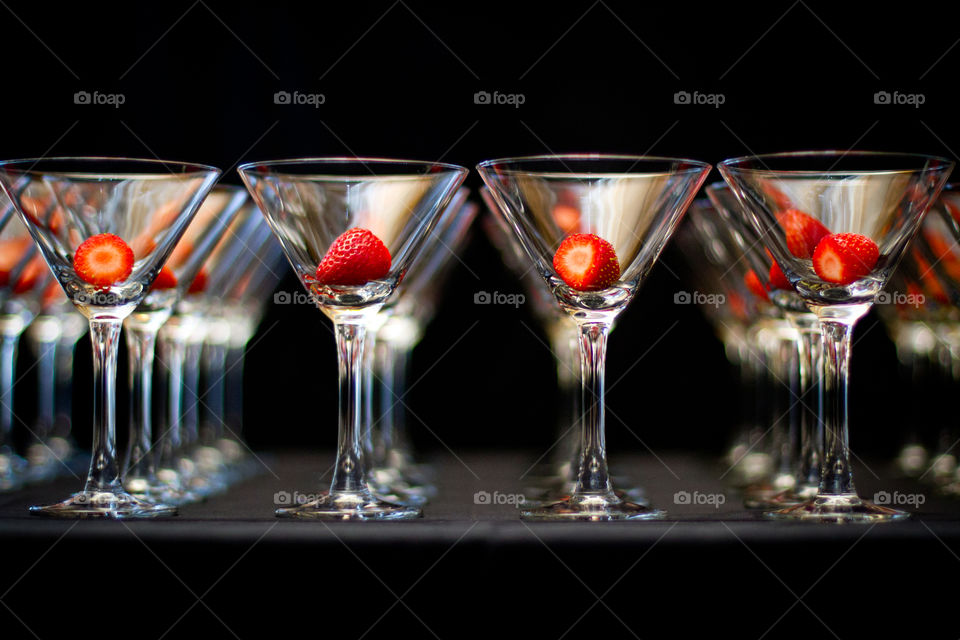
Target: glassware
(182, 463)
(623, 210)
(798, 454)
(351, 227)
(23, 278)
(117, 222)
(142, 326)
(396, 330)
(871, 205)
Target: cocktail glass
(627, 205)
(142, 326)
(127, 216)
(872, 204)
(316, 207)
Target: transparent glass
(148, 204)
(881, 196)
(634, 203)
(751, 259)
(210, 223)
(308, 204)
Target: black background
(399, 79)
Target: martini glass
(549, 481)
(800, 455)
(311, 205)
(211, 221)
(880, 198)
(23, 277)
(398, 328)
(179, 345)
(145, 206)
(631, 203)
(57, 322)
(737, 314)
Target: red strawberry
(30, 275)
(11, 253)
(803, 232)
(586, 262)
(199, 283)
(845, 257)
(567, 218)
(355, 258)
(754, 285)
(103, 259)
(166, 279)
(777, 278)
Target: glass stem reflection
(593, 477)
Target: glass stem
(141, 346)
(104, 475)
(233, 393)
(8, 364)
(349, 473)
(811, 437)
(190, 397)
(45, 345)
(384, 362)
(836, 326)
(592, 475)
(170, 441)
(63, 421)
(368, 420)
(214, 366)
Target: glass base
(159, 492)
(389, 485)
(114, 505)
(537, 497)
(839, 509)
(592, 507)
(353, 506)
(785, 498)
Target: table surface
(225, 564)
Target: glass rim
(194, 168)
(268, 167)
(738, 164)
(698, 165)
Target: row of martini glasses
(215, 283)
(832, 228)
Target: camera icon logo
(883, 298)
(881, 97)
(281, 97)
(482, 497)
(482, 297)
(282, 497)
(482, 97)
(281, 297)
(681, 497)
(882, 497)
(81, 97)
(681, 97)
(681, 297)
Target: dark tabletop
(469, 569)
